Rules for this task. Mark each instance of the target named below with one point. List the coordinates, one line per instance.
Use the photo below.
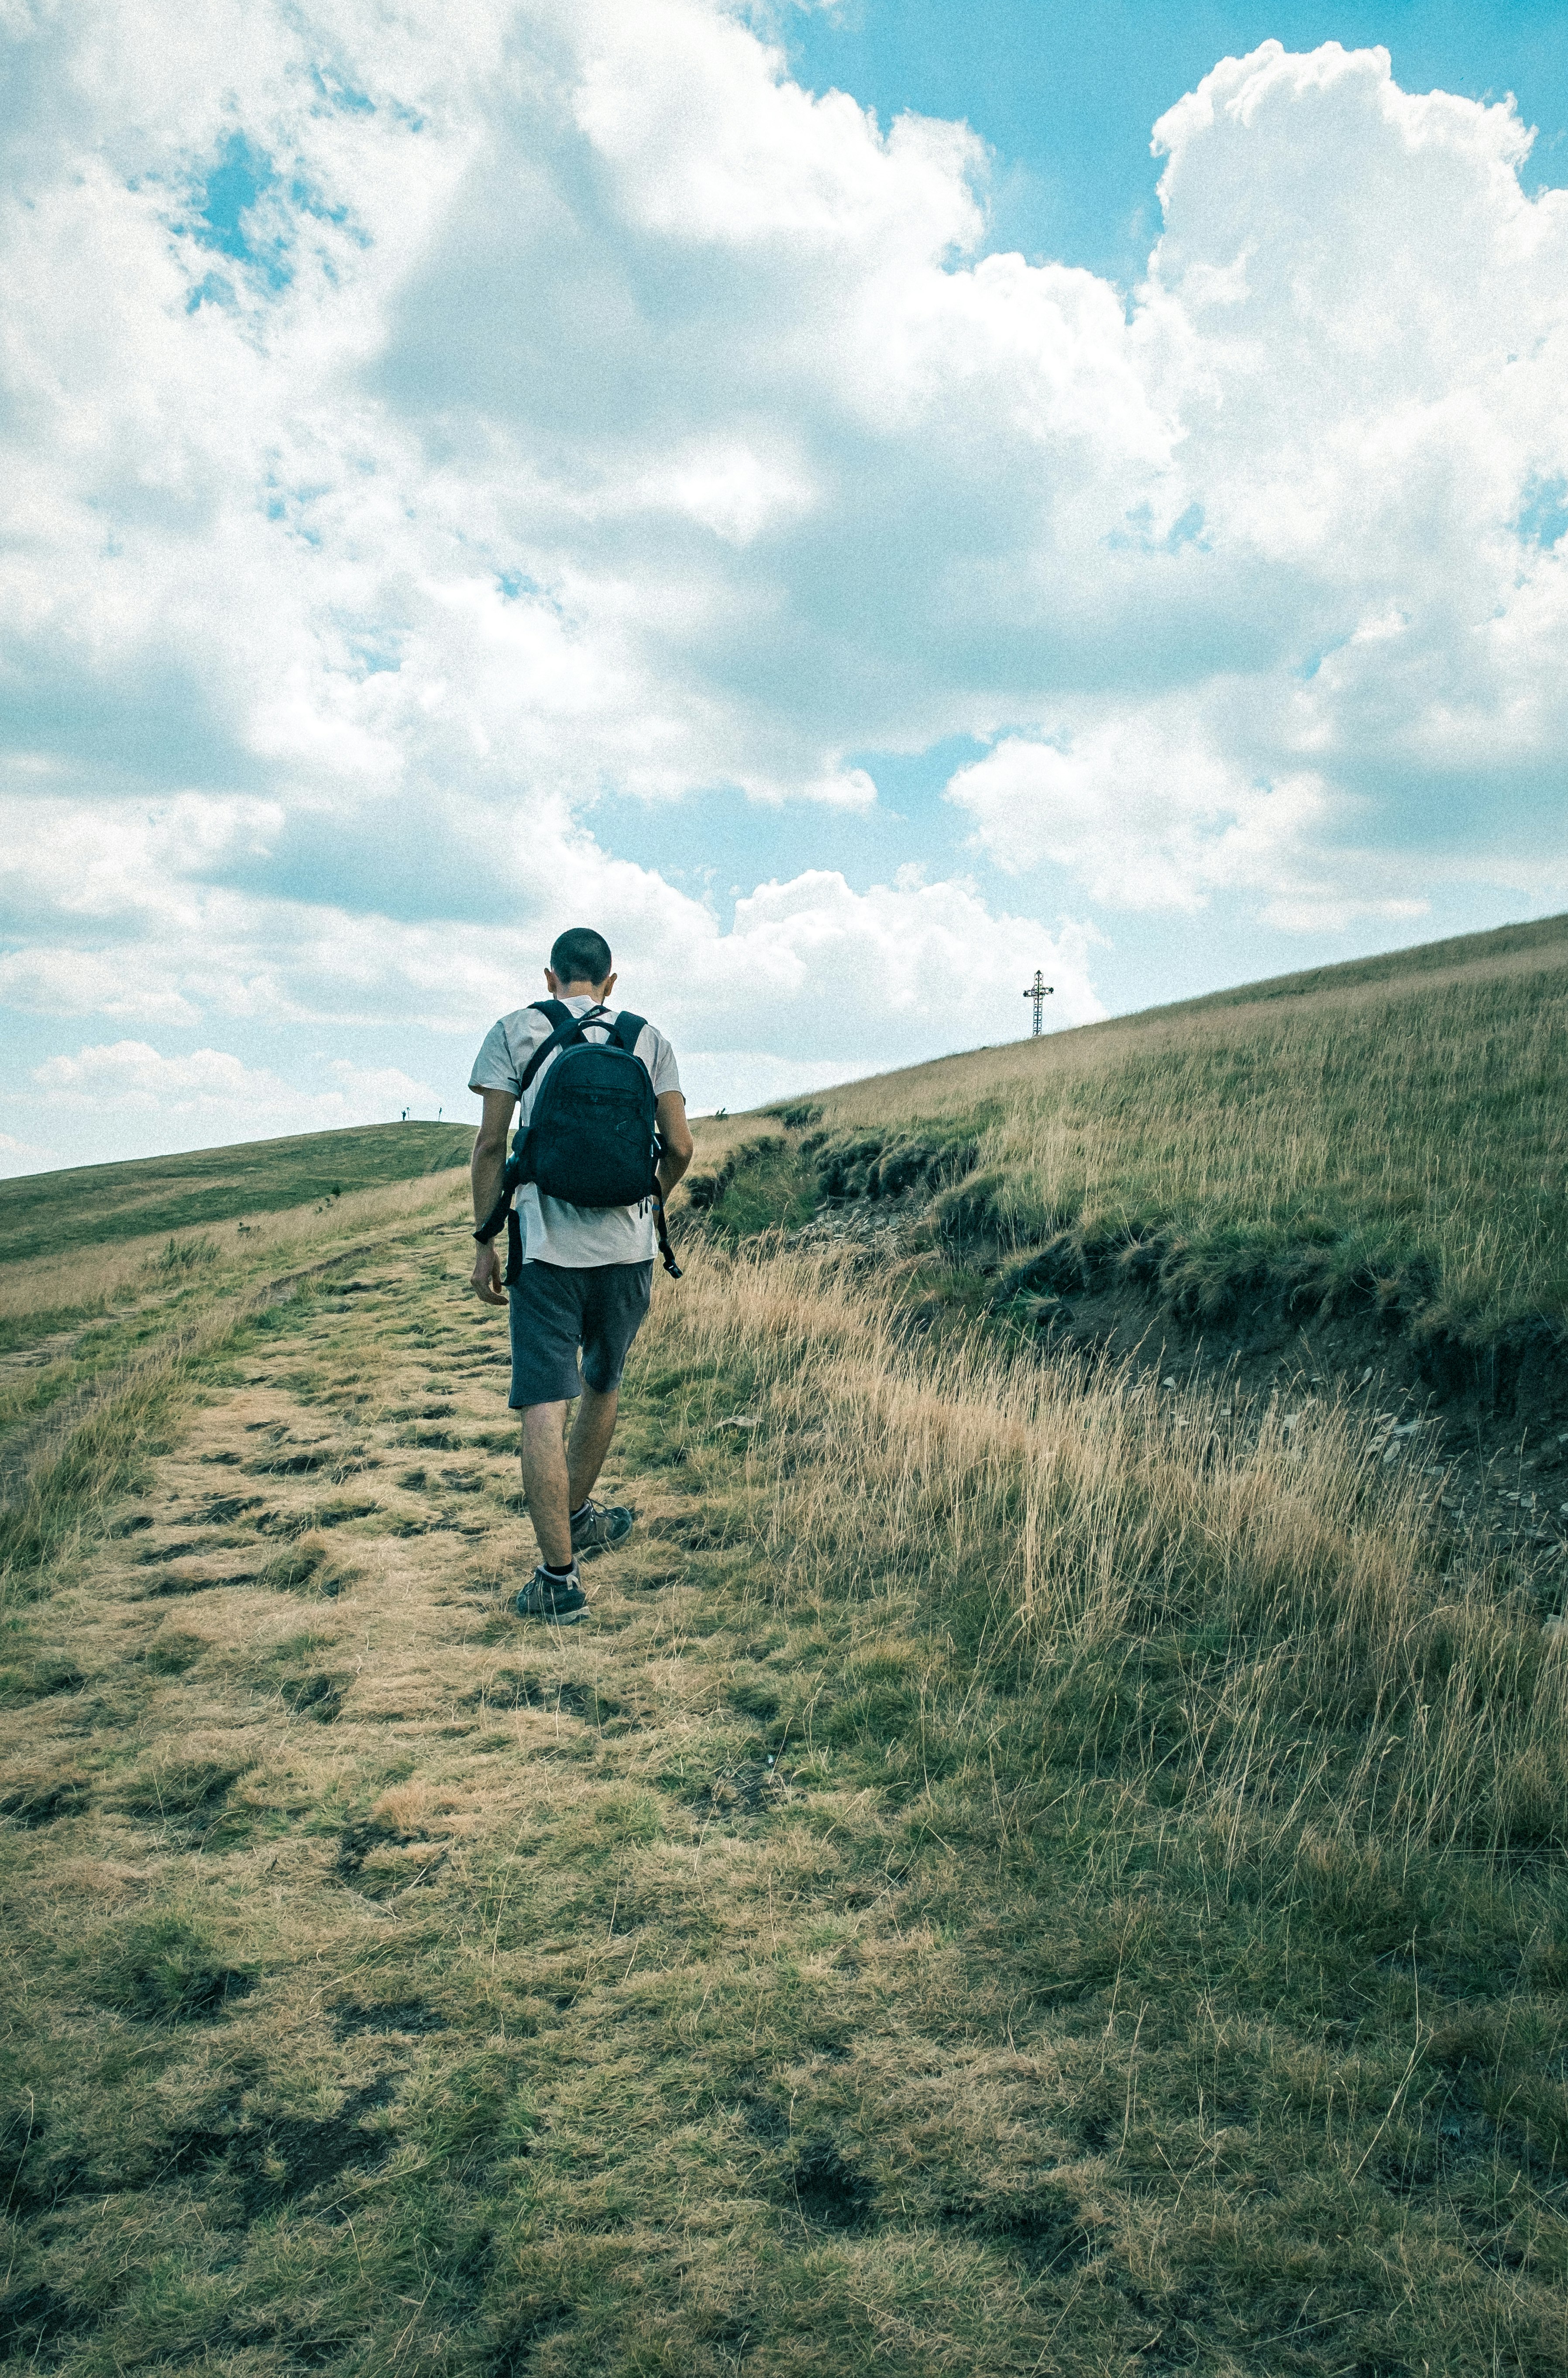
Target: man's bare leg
(554, 1485)
(591, 1434)
(544, 1480)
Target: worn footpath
(784, 1970)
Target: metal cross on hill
(1040, 991)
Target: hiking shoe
(560, 1599)
(599, 1525)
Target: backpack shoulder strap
(567, 1027)
(661, 1226)
(628, 1030)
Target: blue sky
(828, 494)
(1065, 99)
(1065, 96)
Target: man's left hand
(487, 1281)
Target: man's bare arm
(488, 1163)
(675, 1138)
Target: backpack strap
(567, 1027)
(628, 1030)
(501, 1211)
(666, 1249)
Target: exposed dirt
(258, 2166)
(409, 2018)
(829, 2193)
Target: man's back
(553, 1230)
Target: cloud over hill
(413, 440)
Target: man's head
(580, 961)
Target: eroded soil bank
(1486, 1420)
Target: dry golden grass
(1016, 1877)
(1067, 1521)
(79, 1282)
(716, 1135)
(947, 1084)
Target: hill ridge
(140, 1196)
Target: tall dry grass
(1261, 1609)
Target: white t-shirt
(554, 1231)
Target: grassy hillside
(93, 1204)
(1025, 1870)
(1393, 1133)
(1013, 1877)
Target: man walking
(586, 1272)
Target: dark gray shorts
(555, 1309)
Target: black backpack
(592, 1137)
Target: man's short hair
(580, 955)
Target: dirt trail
(381, 1524)
(32, 1442)
(286, 1703)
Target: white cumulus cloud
(214, 1094)
(24, 1155)
(410, 441)
(1357, 326)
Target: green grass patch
(764, 1185)
(45, 1213)
(1390, 1137)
